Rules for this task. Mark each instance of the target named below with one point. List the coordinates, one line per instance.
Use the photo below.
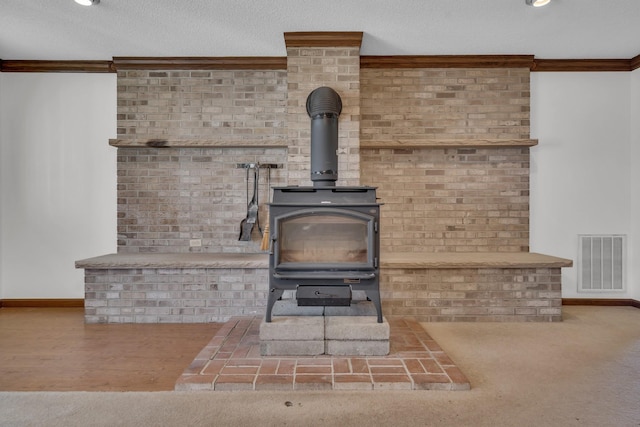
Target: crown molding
(280, 62)
(200, 63)
(146, 63)
(447, 61)
(500, 61)
(583, 65)
(323, 39)
(33, 66)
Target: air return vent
(601, 263)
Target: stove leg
(274, 295)
(374, 297)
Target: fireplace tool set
(252, 219)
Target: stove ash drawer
(323, 295)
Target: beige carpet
(584, 371)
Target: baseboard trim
(618, 302)
(43, 303)
(79, 302)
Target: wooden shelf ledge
(126, 261)
(472, 260)
(450, 143)
(198, 143)
(281, 143)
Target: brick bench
(174, 288)
(195, 288)
(473, 287)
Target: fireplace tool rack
(253, 218)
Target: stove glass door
(332, 239)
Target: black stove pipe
(324, 107)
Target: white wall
(58, 180)
(581, 171)
(634, 255)
(1, 180)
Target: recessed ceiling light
(534, 3)
(87, 2)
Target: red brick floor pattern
(232, 361)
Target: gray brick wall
(435, 199)
(168, 197)
(472, 295)
(451, 200)
(201, 104)
(308, 69)
(460, 103)
(188, 295)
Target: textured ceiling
(566, 29)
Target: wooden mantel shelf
(282, 143)
(450, 143)
(198, 143)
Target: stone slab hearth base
(232, 361)
(331, 335)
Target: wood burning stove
(324, 244)
(324, 239)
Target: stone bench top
(388, 260)
(175, 260)
(472, 260)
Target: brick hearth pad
(232, 361)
